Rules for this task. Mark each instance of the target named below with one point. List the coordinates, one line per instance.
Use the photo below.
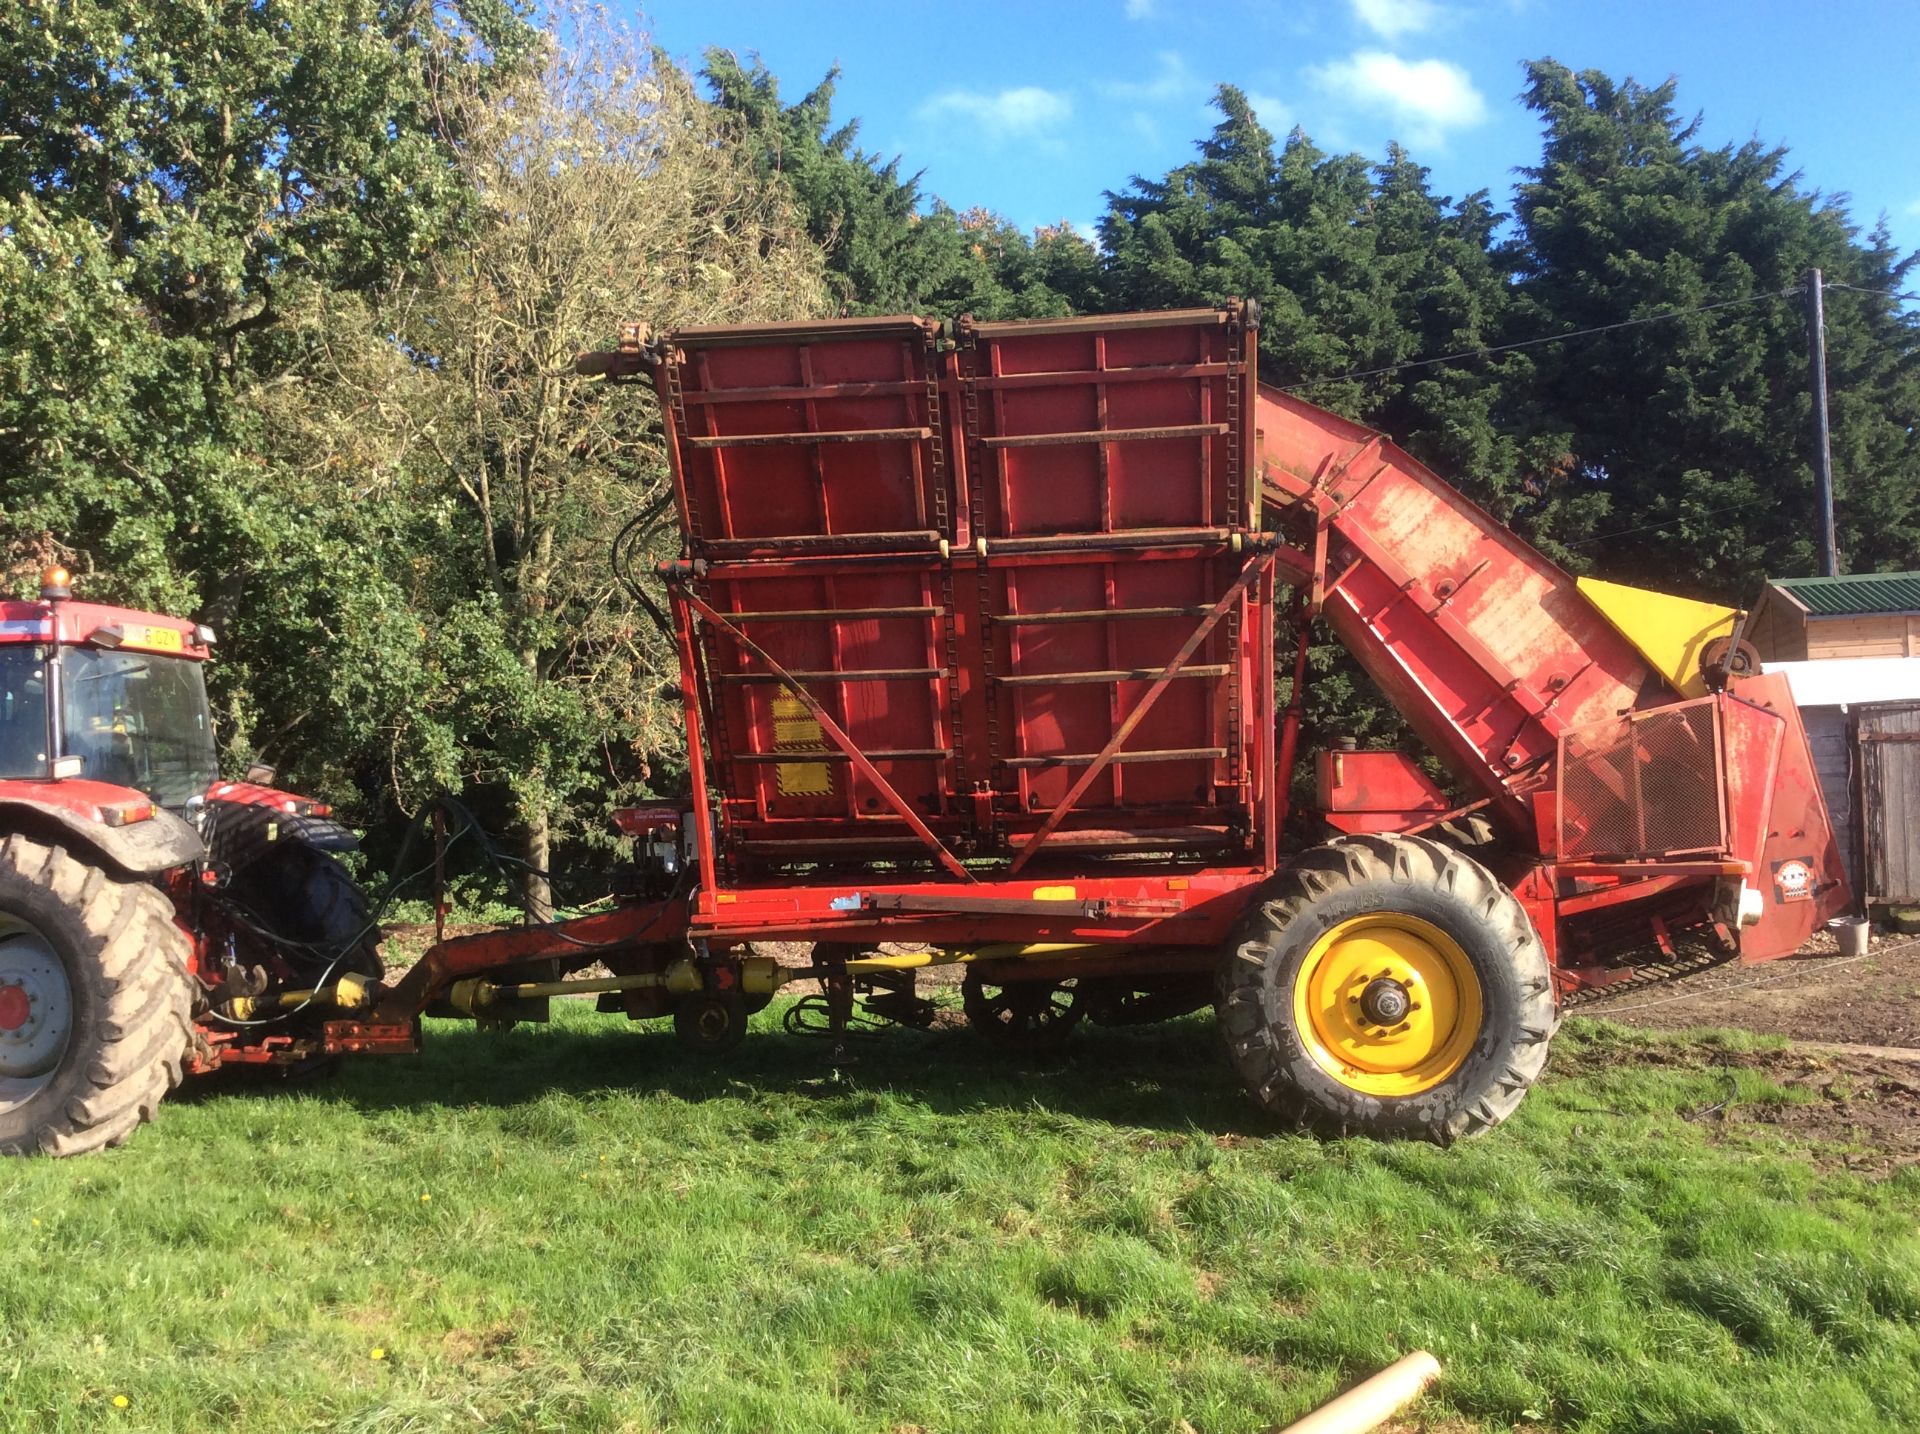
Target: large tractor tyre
(1387, 986)
(306, 898)
(95, 1002)
(1471, 834)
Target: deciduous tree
(606, 190)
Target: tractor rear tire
(1387, 986)
(110, 951)
(304, 896)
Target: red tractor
(134, 882)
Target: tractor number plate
(153, 639)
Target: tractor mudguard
(146, 848)
(240, 833)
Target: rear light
(644, 821)
(301, 807)
(120, 814)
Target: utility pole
(1822, 446)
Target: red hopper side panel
(808, 437)
(977, 560)
(868, 642)
(1107, 476)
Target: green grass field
(568, 1229)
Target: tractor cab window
(140, 719)
(23, 710)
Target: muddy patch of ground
(1866, 1116)
(1814, 995)
(1854, 1108)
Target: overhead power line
(1668, 521)
(1550, 338)
(1881, 293)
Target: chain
(677, 406)
(936, 421)
(977, 459)
(936, 445)
(1235, 336)
(1236, 758)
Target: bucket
(1851, 932)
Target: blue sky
(1035, 109)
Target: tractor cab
(105, 694)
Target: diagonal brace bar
(838, 737)
(1141, 708)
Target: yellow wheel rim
(1388, 1004)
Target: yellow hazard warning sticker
(795, 729)
(804, 779)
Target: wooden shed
(1863, 615)
(1858, 712)
(1851, 649)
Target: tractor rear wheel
(1387, 986)
(95, 1002)
(305, 898)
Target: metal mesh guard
(1643, 786)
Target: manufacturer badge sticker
(1793, 879)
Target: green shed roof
(1855, 594)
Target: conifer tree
(1692, 430)
(1357, 270)
(887, 252)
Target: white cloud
(1424, 98)
(1027, 111)
(1274, 113)
(1173, 81)
(1390, 19)
(1914, 208)
(1139, 9)
(1171, 89)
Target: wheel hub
(1389, 1004)
(36, 1007)
(1385, 1002)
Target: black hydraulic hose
(502, 861)
(638, 529)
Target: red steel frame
(1092, 457)
(977, 645)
